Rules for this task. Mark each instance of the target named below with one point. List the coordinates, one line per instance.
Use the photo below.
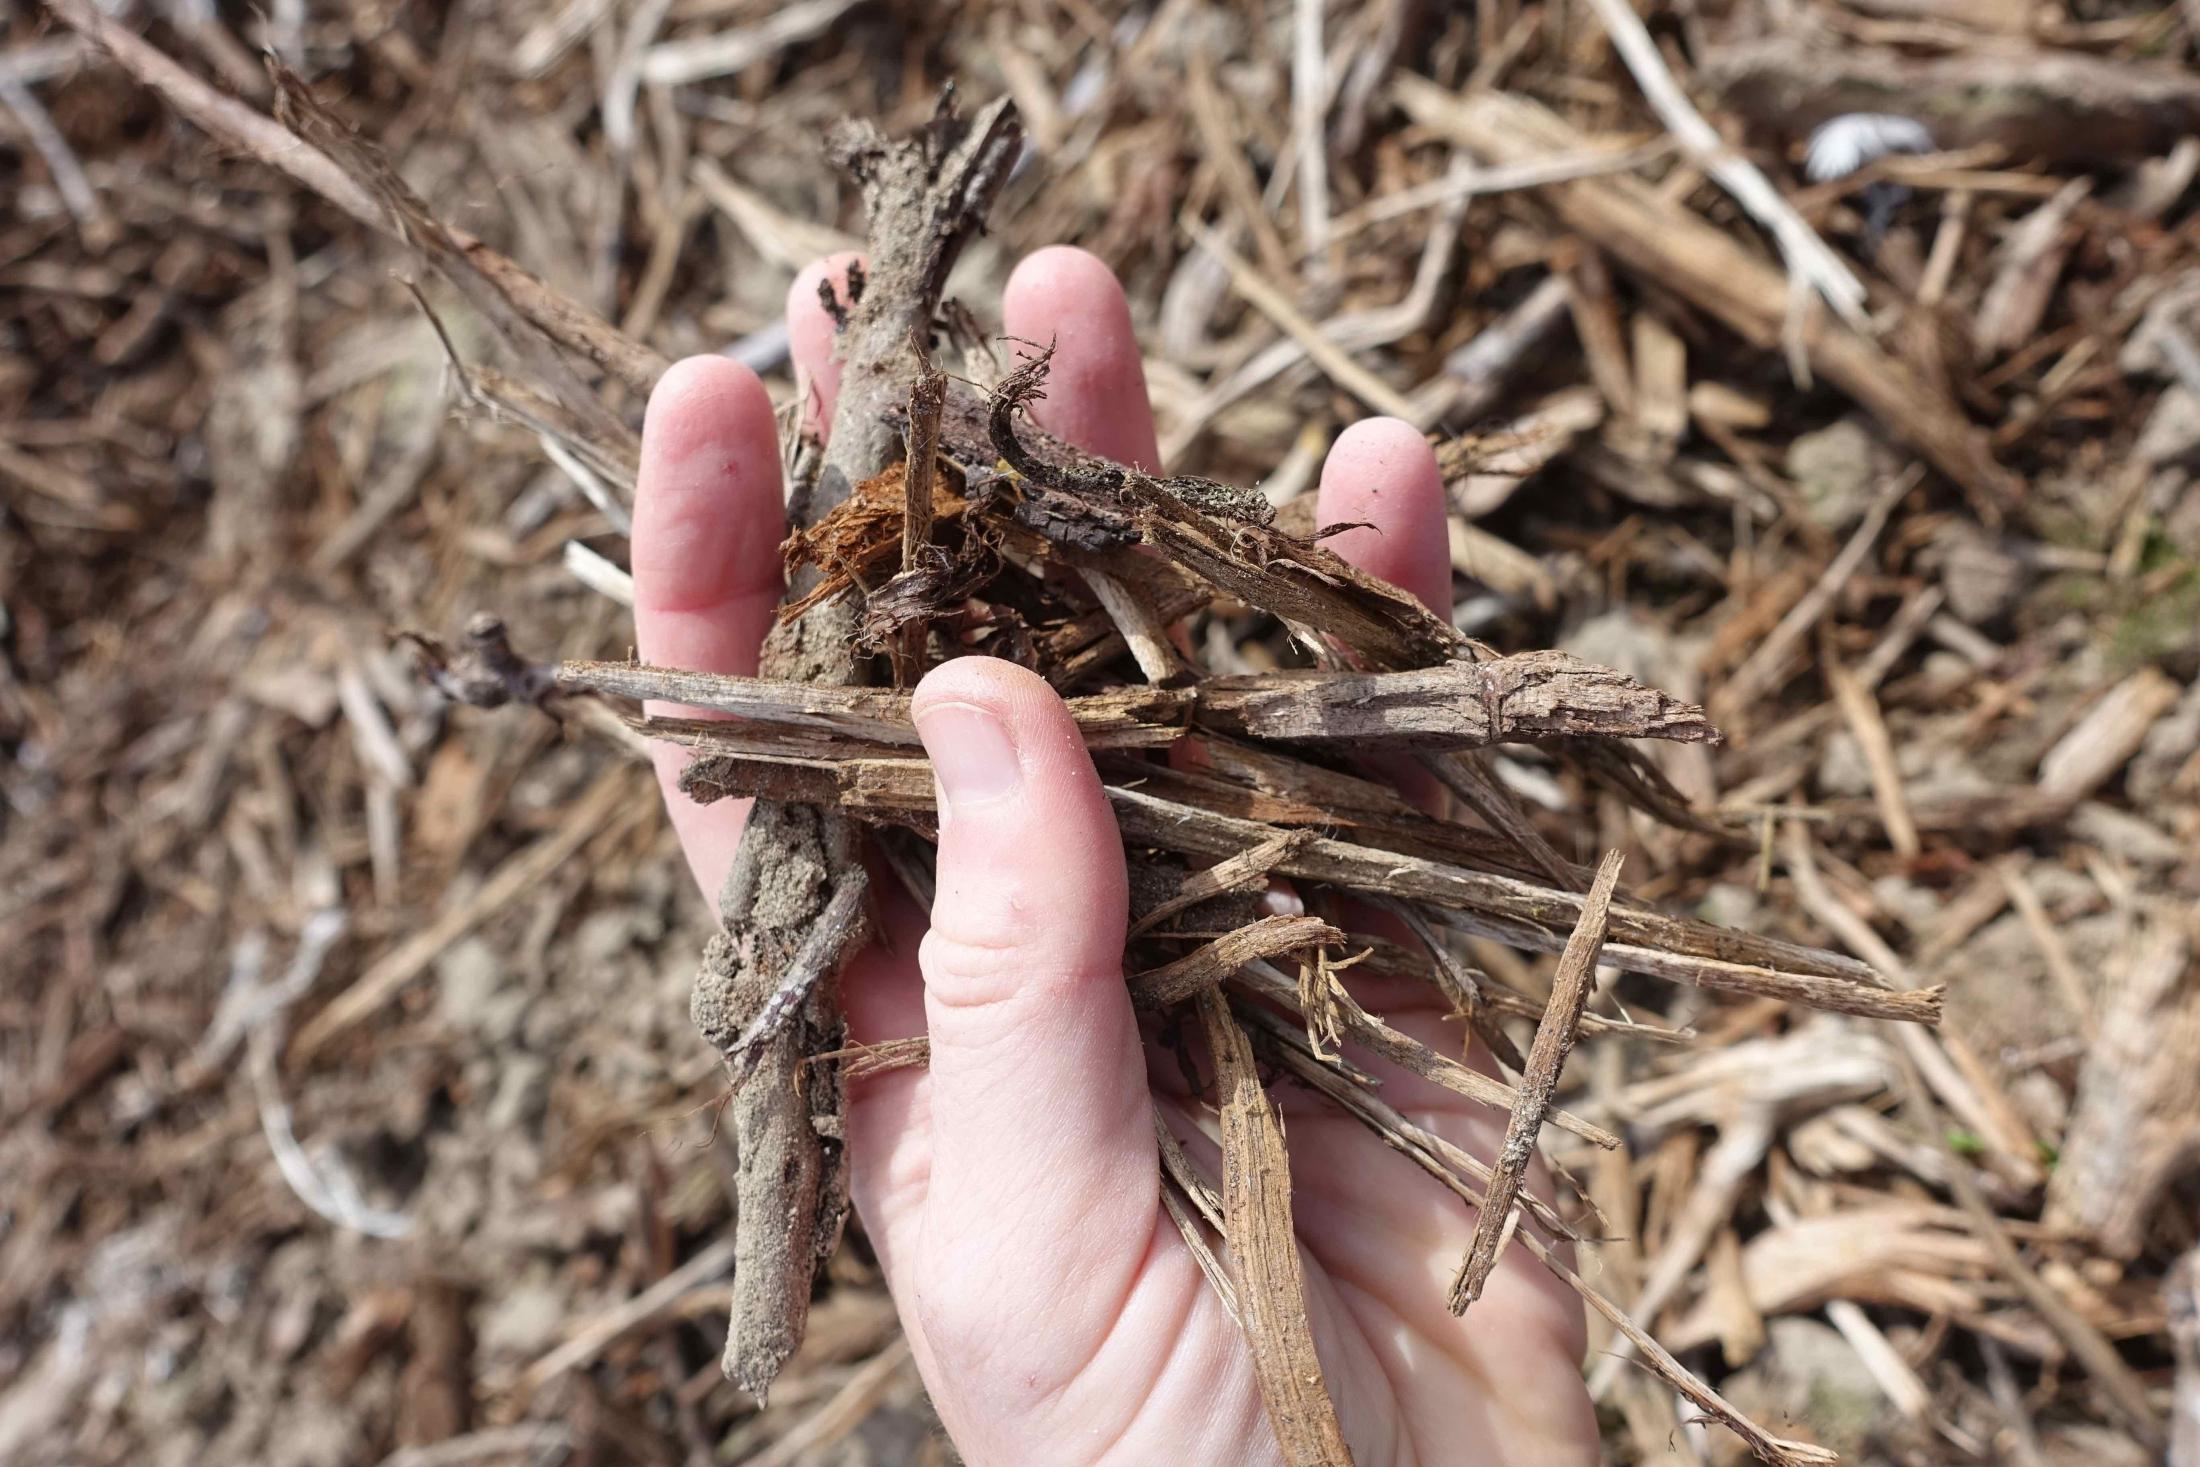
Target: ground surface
(233, 461)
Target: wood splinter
(1554, 1040)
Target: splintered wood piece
(1460, 705)
(859, 1060)
(1247, 868)
(1368, 1031)
(1128, 718)
(1279, 1042)
(1143, 631)
(1386, 956)
(1554, 1040)
(1478, 788)
(1503, 908)
(1191, 1198)
(1717, 957)
(1212, 962)
(1264, 1248)
(1458, 983)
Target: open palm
(1011, 1188)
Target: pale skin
(1010, 1189)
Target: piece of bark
(1247, 868)
(2103, 741)
(924, 197)
(2027, 267)
(1554, 1041)
(1215, 531)
(920, 472)
(1517, 699)
(1264, 1251)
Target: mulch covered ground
(1921, 534)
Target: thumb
(1042, 1137)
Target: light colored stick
(1808, 257)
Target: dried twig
(1808, 259)
(1459, 705)
(925, 198)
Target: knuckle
(974, 970)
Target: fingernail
(973, 757)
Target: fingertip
(707, 503)
(812, 337)
(1029, 851)
(1065, 274)
(691, 396)
(1382, 473)
(1096, 386)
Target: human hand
(1011, 1189)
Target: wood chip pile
(1817, 387)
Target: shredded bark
(1211, 962)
